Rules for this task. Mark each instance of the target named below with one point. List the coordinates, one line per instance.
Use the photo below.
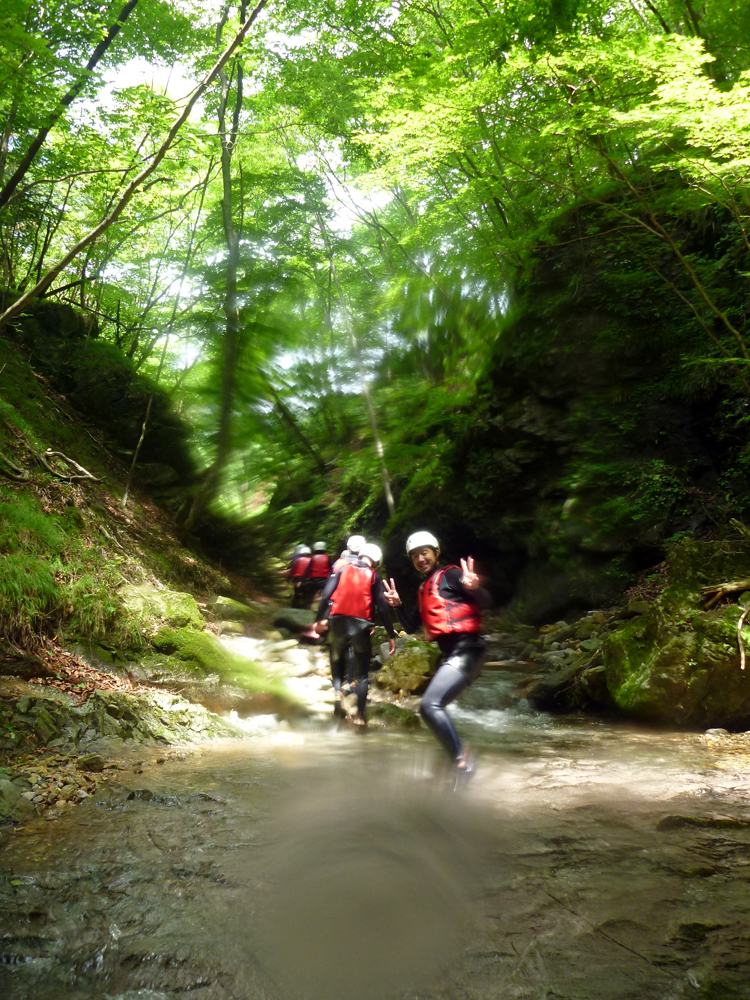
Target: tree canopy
(320, 265)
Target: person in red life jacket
(316, 574)
(354, 592)
(297, 568)
(450, 598)
(350, 553)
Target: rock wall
(601, 429)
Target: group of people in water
(351, 589)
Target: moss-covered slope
(84, 572)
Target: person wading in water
(296, 573)
(354, 592)
(316, 574)
(450, 598)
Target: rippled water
(587, 860)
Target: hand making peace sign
(391, 594)
(469, 578)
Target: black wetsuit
(463, 656)
(350, 637)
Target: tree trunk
(210, 485)
(371, 415)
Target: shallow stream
(586, 860)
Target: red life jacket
(299, 565)
(353, 594)
(441, 616)
(320, 567)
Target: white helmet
(372, 552)
(420, 538)
(355, 543)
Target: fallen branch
(740, 643)
(80, 475)
(712, 595)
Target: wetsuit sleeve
(411, 620)
(384, 608)
(330, 585)
(451, 586)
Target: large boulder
(409, 670)
(678, 663)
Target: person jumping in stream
(354, 591)
(450, 599)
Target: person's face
(425, 559)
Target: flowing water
(586, 860)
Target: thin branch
(137, 181)
(64, 103)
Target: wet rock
(298, 662)
(585, 628)
(554, 692)
(594, 683)
(44, 725)
(231, 628)
(590, 645)
(410, 668)
(13, 803)
(9, 796)
(109, 718)
(392, 717)
(91, 762)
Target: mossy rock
(231, 628)
(410, 668)
(678, 663)
(393, 717)
(231, 611)
(206, 655)
(173, 607)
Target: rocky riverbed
(585, 860)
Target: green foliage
(404, 181)
(53, 577)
